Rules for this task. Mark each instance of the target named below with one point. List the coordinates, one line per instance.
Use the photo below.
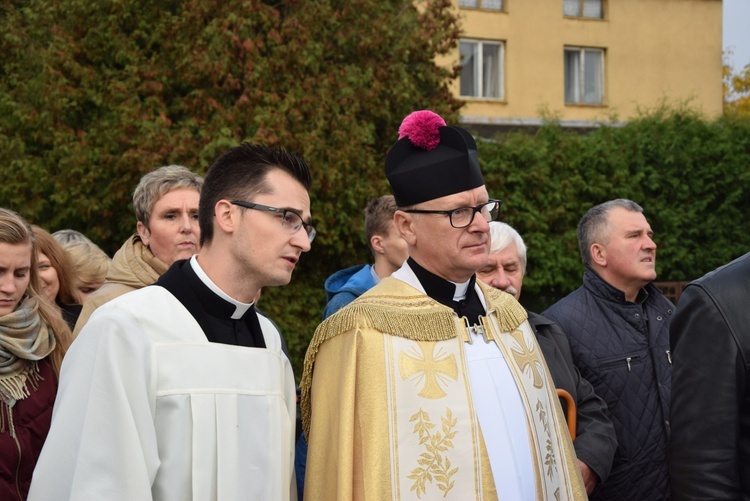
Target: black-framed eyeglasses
(290, 220)
(463, 216)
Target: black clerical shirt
(213, 314)
(443, 291)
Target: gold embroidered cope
(389, 413)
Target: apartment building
(586, 61)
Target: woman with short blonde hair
(166, 210)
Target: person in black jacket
(595, 440)
(617, 324)
(709, 450)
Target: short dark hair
(240, 173)
(379, 216)
(592, 226)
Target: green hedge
(691, 176)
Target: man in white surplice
(182, 390)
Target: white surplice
(147, 408)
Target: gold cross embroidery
(526, 359)
(429, 367)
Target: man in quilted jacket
(617, 323)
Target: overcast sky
(737, 31)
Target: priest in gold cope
(432, 385)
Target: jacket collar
(601, 288)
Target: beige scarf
(24, 340)
(135, 265)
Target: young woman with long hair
(33, 340)
(57, 275)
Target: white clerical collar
(406, 275)
(241, 308)
(461, 289)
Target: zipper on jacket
(669, 357)
(629, 362)
(18, 466)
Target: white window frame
(582, 9)
(478, 90)
(580, 86)
(480, 4)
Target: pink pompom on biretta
(422, 129)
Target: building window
(584, 76)
(481, 69)
(583, 8)
(482, 4)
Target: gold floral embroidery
(433, 464)
(527, 359)
(428, 366)
(550, 461)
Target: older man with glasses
(181, 390)
(431, 385)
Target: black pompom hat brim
(417, 175)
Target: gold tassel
(510, 313)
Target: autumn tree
(736, 91)
(95, 93)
